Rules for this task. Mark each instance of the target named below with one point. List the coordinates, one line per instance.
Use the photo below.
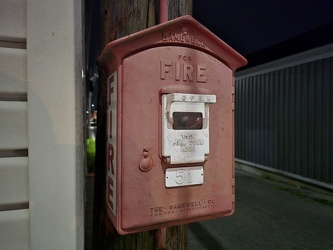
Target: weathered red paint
(179, 56)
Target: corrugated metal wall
(284, 119)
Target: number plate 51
(185, 176)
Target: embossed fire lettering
(187, 142)
(183, 34)
(193, 205)
(182, 207)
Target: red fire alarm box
(170, 126)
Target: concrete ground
(269, 215)
(88, 228)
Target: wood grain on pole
(119, 19)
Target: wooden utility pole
(118, 19)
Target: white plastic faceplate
(188, 143)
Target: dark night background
(260, 30)
(267, 30)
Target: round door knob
(146, 162)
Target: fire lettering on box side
(111, 142)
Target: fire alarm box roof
(184, 31)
